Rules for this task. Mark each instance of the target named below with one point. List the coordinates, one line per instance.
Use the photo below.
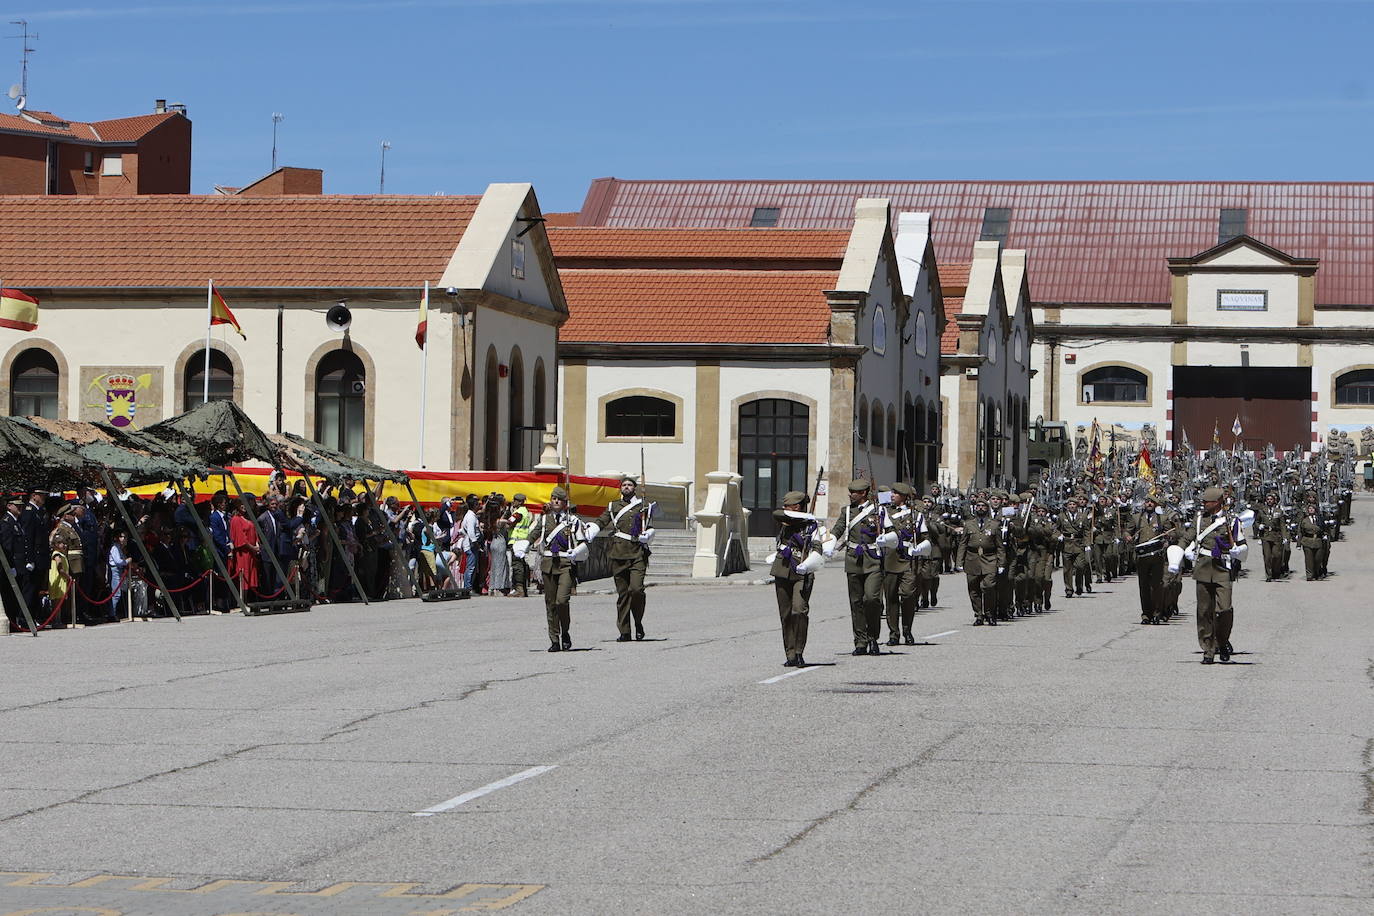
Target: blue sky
(558, 92)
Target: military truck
(1049, 442)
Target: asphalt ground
(1072, 762)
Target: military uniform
(929, 568)
(900, 579)
(1075, 532)
(1106, 539)
(1043, 537)
(1315, 537)
(1218, 545)
(1271, 527)
(799, 536)
(1150, 534)
(857, 530)
(562, 539)
(983, 556)
(627, 523)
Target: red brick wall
(71, 165)
(164, 159)
(286, 180)
(23, 164)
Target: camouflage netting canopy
(331, 464)
(134, 462)
(217, 433)
(30, 458)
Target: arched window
(537, 419)
(863, 419)
(516, 451)
(491, 412)
(1355, 387)
(641, 415)
(221, 379)
(1115, 383)
(876, 425)
(340, 402)
(34, 382)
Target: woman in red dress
(244, 550)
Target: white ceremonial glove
(593, 529)
(1239, 552)
(1117, 541)
(828, 546)
(887, 539)
(1061, 537)
(1159, 510)
(771, 558)
(1001, 569)
(921, 550)
(579, 553)
(647, 537)
(1190, 554)
(1087, 548)
(28, 567)
(811, 564)
(521, 548)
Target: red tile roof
(699, 245)
(181, 241)
(115, 130)
(1088, 241)
(949, 340)
(559, 219)
(697, 306)
(954, 277)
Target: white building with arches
(796, 358)
(122, 327)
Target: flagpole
(424, 378)
(209, 324)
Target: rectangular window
(1232, 224)
(996, 225)
(89, 166)
(112, 164)
(1242, 300)
(765, 217)
(517, 259)
(641, 416)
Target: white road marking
(485, 790)
(774, 680)
(938, 635)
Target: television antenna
(277, 118)
(381, 183)
(23, 85)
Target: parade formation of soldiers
(1096, 520)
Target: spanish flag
(18, 310)
(1145, 468)
(220, 314)
(422, 329)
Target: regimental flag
(422, 329)
(1216, 435)
(1236, 428)
(220, 314)
(1145, 468)
(1095, 454)
(18, 310)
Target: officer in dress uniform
(797, 556)
(981, 539)
(562, 540)
(1044, 537)
(1271, 527)
(1218, 545)
(900, 580)
(16, 550)
(626, 522)
(856, 531)
(1315, 537)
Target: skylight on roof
(996, 225)
(765, 217)
(1232, 224)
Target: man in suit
(16, 550)
(627, 522)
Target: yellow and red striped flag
(422, 329)
(18, 310)
(220, 314)
(1145, 468)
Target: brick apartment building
(41, 153)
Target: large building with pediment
(1244, 309)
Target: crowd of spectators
(73, 559)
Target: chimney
(160, 106)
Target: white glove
(771, 558)
(1239, 552)
(1087, 548)
(1159, 510)
(921, 550)
(811, 564)
(579, 553)
(887, 539)
(828, 545)
(647, 537)
(1190, 554)
(1061, 537)
(1117, 541)
(28, 567)
(521, 548)
(1001, 569)
(593, 529)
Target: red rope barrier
(119, 583)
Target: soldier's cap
(1027, 495)
(558, 493)
(518, 498)
(627, 477)
(905, 489)
(858, 486)
(1013, 498)
(66, 510)
(1212, 495)
(980, 498)
(793, 498)
(884, 488)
